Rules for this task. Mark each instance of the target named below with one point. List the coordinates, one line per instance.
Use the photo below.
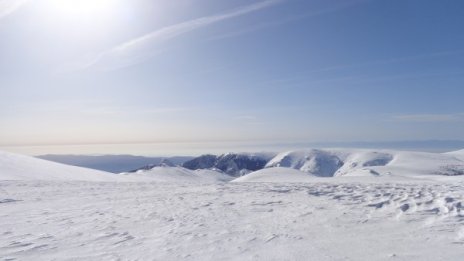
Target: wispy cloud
(301, 77)
(7, 7)
(452, 117)
(391, 60)
(290, 19)
(141, 48)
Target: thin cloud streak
(390, 61)
(302, 75)
(8, 7)
(290, 19)
(429, 118)
(139, 49)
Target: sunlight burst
(82, 7)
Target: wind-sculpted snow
(344, 219)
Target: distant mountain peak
(233, 164)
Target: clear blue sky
(114, 71)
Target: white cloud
(139, 49)
(7, 7)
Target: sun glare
(81, 7)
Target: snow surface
(276, 174)
(45, 220)
(179, 174)
(406, 210)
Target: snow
(19, 167)
(344, 162)
(179, 175)
(276, 174)
(458, 154)
(381, 205)
(317, 162)
(349, 220)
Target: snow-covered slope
(458, 154)
(276, 174)
(19, 167)
(343, 162)
(317, 162)
(179, 174)
(421, 163)
(112, 163)
(360, 162)
(400, 163)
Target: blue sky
(144, 71)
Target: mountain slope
(317, 162)
(458, 154)
(19, 167)
(344, 162)
(233, 164)
(112, 163)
